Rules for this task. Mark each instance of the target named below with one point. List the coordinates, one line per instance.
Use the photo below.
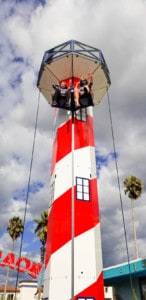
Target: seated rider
(83, 88)
(61, 91)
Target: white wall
(27, 290)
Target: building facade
(27, 290)
(128, 280)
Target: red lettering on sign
(23, 264)
(9, 260)
(35, 269)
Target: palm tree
(15, 229)
(41, 232)
(133, 188)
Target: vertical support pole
(72, 214)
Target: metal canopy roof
(73, 46)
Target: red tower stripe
(59, 229)
(93, 290)
(83, 137)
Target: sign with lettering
(22, 264)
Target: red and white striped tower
(73, 252)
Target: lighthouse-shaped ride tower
(73, 264)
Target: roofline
(122, 264)
(73, 47)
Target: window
(10, 297)
(86, 298)
(80, 114)
(83, 191)
(143, 288)
(51, 193)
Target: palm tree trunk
(6, 282)
(7, 275)
(134, 229)
(40, 285)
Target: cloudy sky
(27, 30)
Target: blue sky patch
(34, 188)
(34, 2)
(15, 81)
(17, 158)
(38, 2)
(102, 160)
(18, 59)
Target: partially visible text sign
(22, 264)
